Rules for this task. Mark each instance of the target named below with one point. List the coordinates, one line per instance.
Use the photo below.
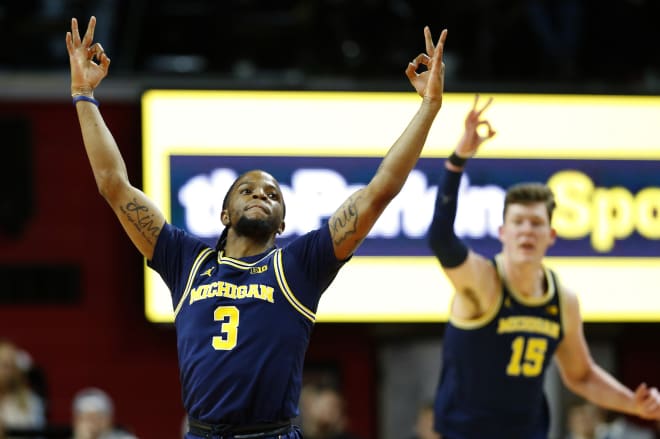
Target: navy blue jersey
(243, 325)
(491, 384)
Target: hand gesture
(430, 83)
(471, 139)
(89, 63)
(647, 402)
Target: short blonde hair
(528, 193)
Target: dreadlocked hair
(222, 240)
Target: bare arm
(584, 377)
(473, 276)
(140, 218)
(351, 223)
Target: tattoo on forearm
(143, 220)
(344, 223)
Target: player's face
(255, 206)
(526, 233)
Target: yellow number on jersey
(228, 315)
(531, 363)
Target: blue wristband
(85, 98)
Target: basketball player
(509, 317)
(244, 310)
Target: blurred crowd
(24, 404)
(584, 420)
(21, 408)
(324, 411)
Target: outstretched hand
(89, 63)
(647, 402)
(430, 83)
(471, 139)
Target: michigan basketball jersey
(243, 325)
(491, 383)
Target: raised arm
(351, 223)
(140, 218)
(584, 377)
(469, 272)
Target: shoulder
(317, 241)
(172, 235)
(565, 292)
(173, 232)
(176, 249)
(570, 308)
(567, 295)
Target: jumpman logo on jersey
(208, 272)
(552, 310)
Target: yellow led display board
(600, 154)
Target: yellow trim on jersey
(479, 321)
(528, 301)
(560, 303)
(284, 286)
(237, 263)
(193, 271)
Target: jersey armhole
(286, 290)
(559, 291)
(199, 260)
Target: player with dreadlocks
(244, 311)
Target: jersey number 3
(228, 315)
(527, 356)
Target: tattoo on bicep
(143, 220)
(344, 222)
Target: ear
(553, 236)
(224, 218)
(500, 233)
(280, 230)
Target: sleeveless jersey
(243, 325)
(491, 383)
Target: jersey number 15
(527, 356)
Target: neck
(525, 279)
(238, 246)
